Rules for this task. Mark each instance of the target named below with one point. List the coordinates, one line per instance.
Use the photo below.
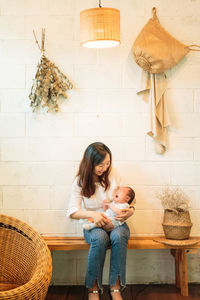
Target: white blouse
(77, 201)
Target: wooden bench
(179, 253)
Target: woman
(95, 182)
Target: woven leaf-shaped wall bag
(155, 50)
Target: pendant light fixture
(100, 27)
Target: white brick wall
(40, 153)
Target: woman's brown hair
(94, 154)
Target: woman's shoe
(113, 291)
(94, 292)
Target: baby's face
(120, 195)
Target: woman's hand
(99, 219)
(125, 214)
(109, 226)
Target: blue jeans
(99, 239)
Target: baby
(122, 197)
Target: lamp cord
(100, 3)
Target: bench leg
(181, 275)
(176, 253)
(184, 274)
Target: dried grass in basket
(25, 260)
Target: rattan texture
(177, 225)
(25, 261)
(100, 24)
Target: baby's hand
(106, 204)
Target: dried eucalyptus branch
(174, 199)
(49, 83)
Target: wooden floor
(132, 292)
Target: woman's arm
(99, 218)
(126, 212)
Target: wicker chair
(25, 261)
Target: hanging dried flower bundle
(49, 83)
(174, 199)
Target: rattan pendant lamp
(100, 27)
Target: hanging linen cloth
(155, 51)
(153, 87)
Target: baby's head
(123, 194)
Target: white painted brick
(12, 76)
(131, 26)
(30, 75)
(131, 73)
(135, 125)
(130, 8)
(36, 173)
(49, 124)
(178, 149)
(179, 100)
(180, 76)
(86, 76)
(123, 100)
(193, 193)
(146, 222)
(184, 125)
(126, 148)
(56, 27)
(15, 101)
(197, 149)
(144, 173)
(60, 198)
(26, 197)
(81, 101)
(70, 52)
(197, 100)
(114, 55)
(190, 23)
(12, 125)
(12, 27)
(15, 50)
(146, 198)
(24, 7)
(51, 222)
(98, 76)
(43, 149)
(185, 173)
(91, 124)
(176, 10)
(195, 214)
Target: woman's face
(103, 166)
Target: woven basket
(25, 261)
(176, 226)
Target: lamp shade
(100, 27)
